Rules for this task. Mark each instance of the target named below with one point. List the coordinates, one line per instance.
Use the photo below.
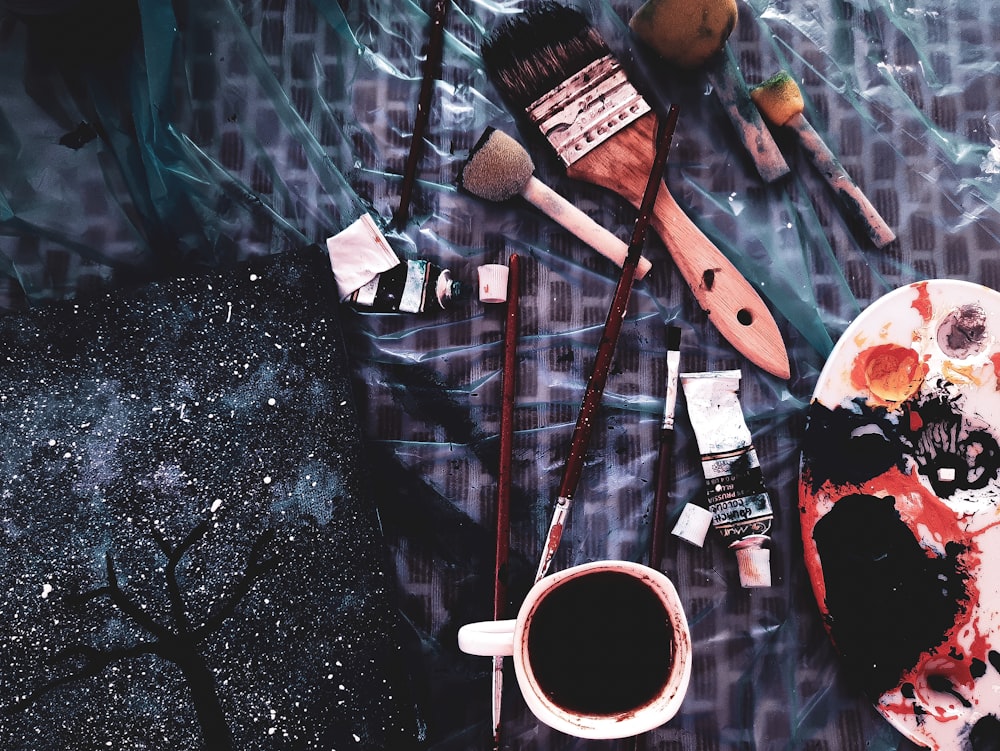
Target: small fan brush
(553, 64)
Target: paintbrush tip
(673, 338)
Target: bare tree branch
(177, 606)
(256, 567)
(94, 662)
(129, 608)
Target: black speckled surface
(190, 554)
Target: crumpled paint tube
(734, 484)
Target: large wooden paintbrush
(552, 63)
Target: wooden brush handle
(848, 191)
(561, 211)
(622, 164)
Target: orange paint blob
(922, 302)
(889, 372)
(960, 374)
(995, 359)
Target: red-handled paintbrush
(508, 395)
(606, 348)
(552, 63)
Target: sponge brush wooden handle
(561, 211)
(829, 166)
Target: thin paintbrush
(664, 465)
(508, 394)
(665, 458)
(432, 64)
(606, 349)
(552, 63)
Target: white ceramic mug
(601, 650)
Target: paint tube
(734, 484)
(358, 254)
(410, 287)
(371, 277)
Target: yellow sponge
(685, 32)
(778, 98)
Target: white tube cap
(755, 566)
(493, 283)
(693, 524)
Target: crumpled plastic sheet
(190, 135)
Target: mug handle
(487, 638)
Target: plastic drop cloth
(188, 135)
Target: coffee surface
(601, 644)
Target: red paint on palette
(899, 497)
(995, 359)
(922, 302)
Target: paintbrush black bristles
(532, 53)
(673, 337)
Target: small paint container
(493, 283)
(693, 524)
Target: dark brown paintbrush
(508, 396)
(432, 65)
(606, 348)
(665, 458)
(552, 63)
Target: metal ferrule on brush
(587, 109)
(670, 403)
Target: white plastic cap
(693, 524)
(493, 282)
(755, 566)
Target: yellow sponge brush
(778, 98)
(780, 101)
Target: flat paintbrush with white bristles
(551, 62)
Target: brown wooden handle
(622, 165)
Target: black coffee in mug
(601, 644)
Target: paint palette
(899, 498)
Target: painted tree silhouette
(178, 639)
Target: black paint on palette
(188, 556)
(888, 599)
(851, 446)
(954, 451)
